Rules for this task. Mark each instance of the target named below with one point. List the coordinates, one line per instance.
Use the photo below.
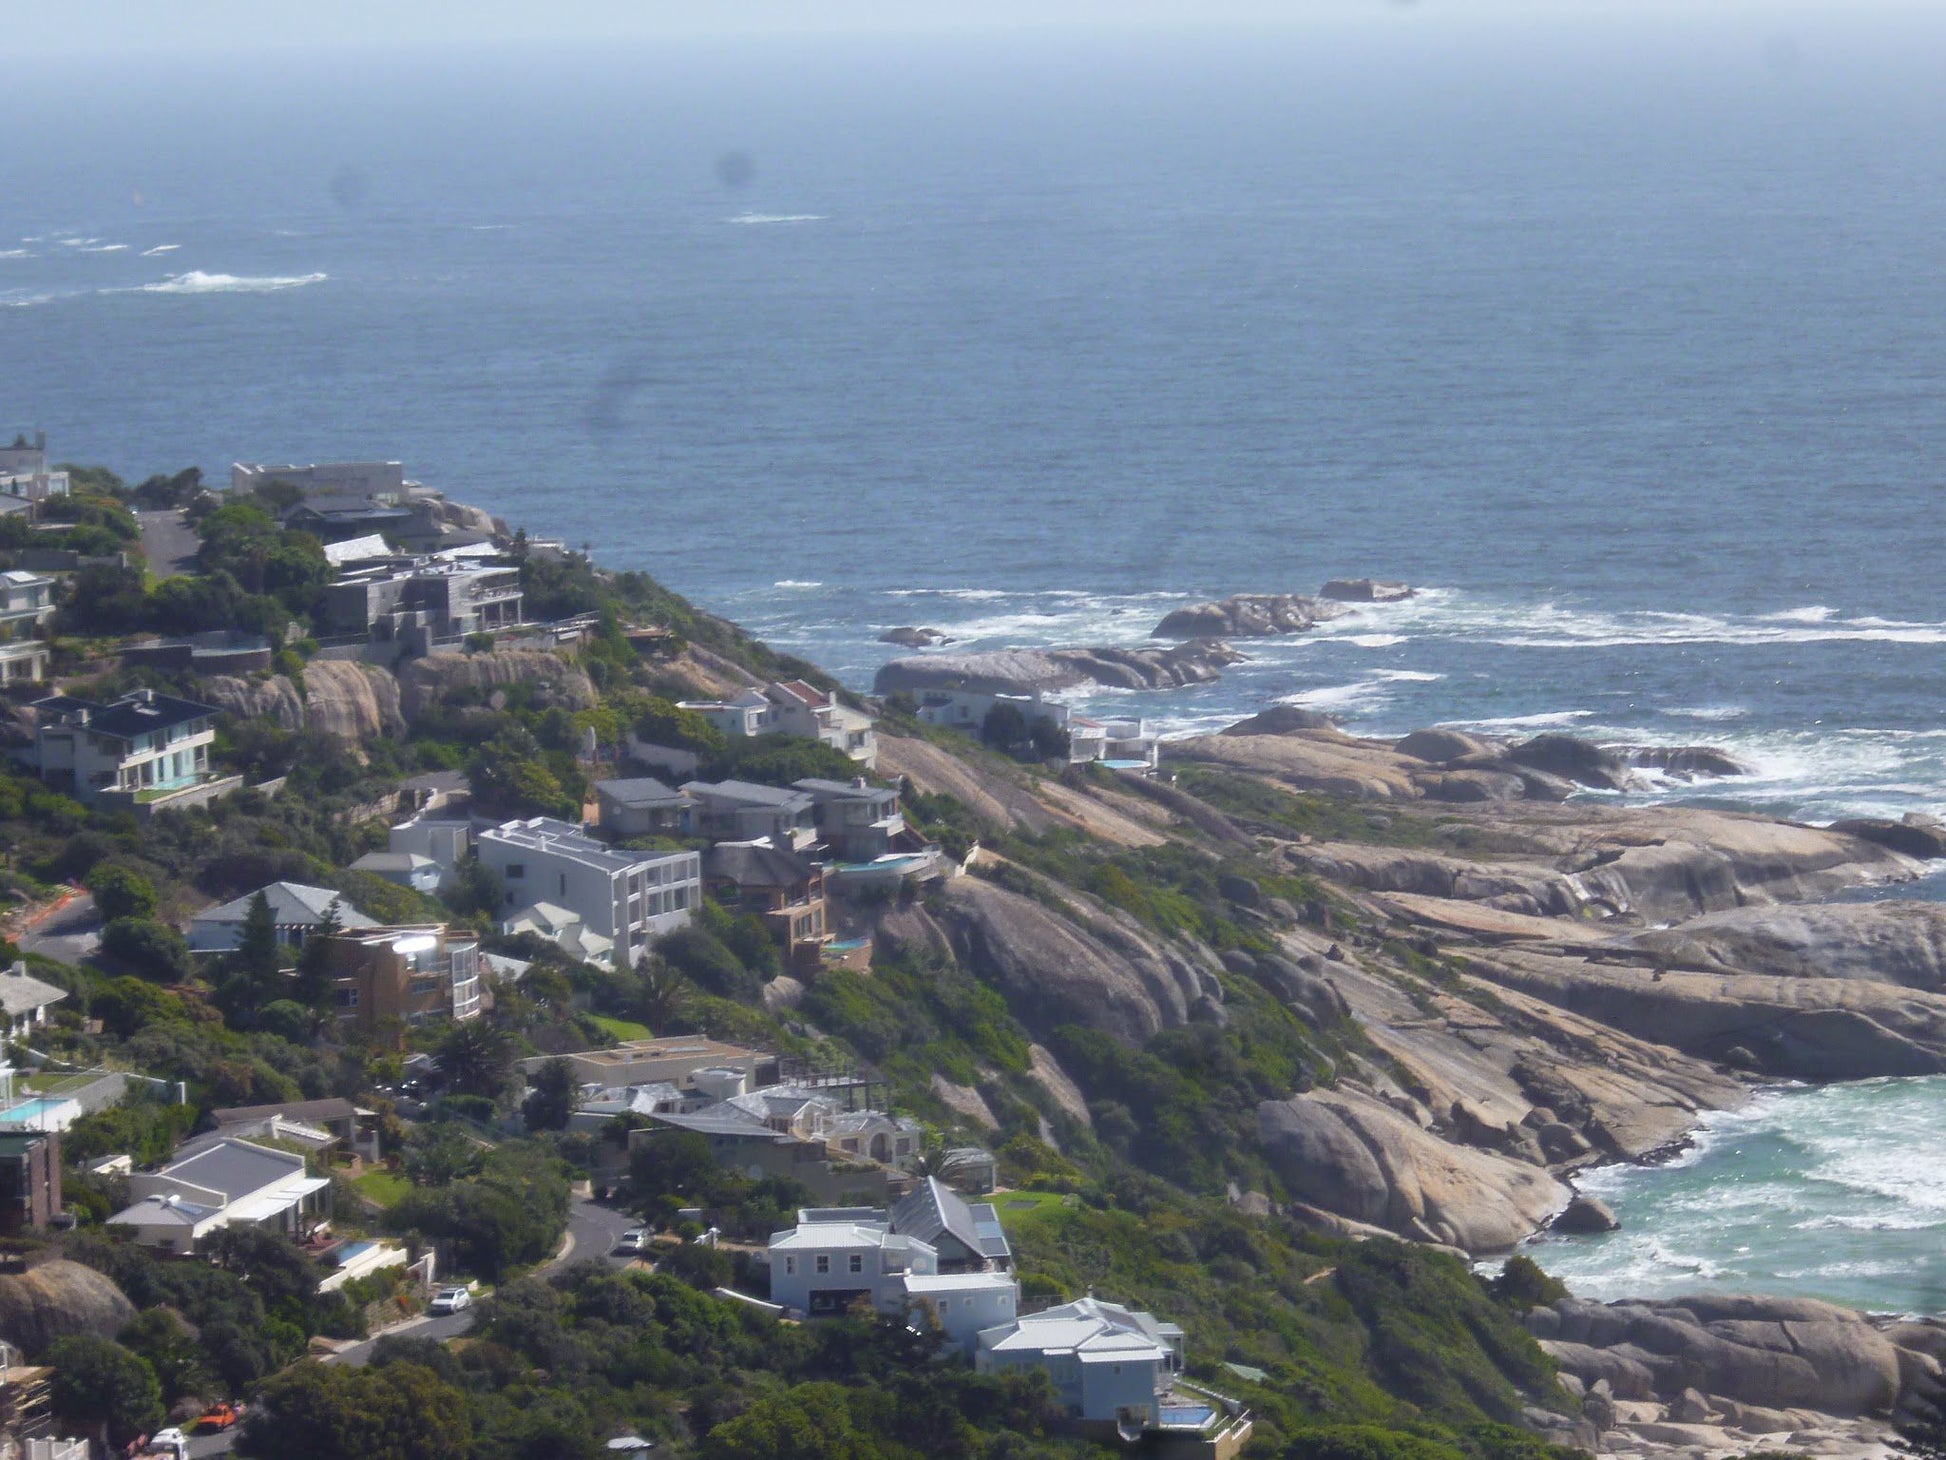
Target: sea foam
(198, 282)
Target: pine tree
(256, 950)
(313, 986)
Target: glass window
(824, 1262)
(857, 1263)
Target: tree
(313, 985)
(103, 1389)
(1005, 727)
(164, 1342)
(398, 1412)
(662, 993)
(551, 1100)
(143, 946)
(121, 892)
(477, 1059)
(256, 950)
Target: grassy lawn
(623, 1028)
(386, 1188)
(1013, 1205)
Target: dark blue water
(1623, 336)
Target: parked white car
(634, 1241)
(450, 1300)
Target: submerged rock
(1365, 590)
(911, 638)
(1245, 616)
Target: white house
(440, 834)
(26, 604)
(563, 928)
(25, 1000)
(296, 909)
(1107, 1362)
(409, 869)
(140, 745)
(629, 898)
(24, 473)
(792, 707)
(216, 1182)
(739, 717)
(743, 811)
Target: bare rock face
(1281, 720)
(1083, 968)
(1586, 1214)
(426, 682)
(1364, 590)
(1354, 1156)
(1311, 760)
(1444, 746)
(1246, 616)
(1022, 671)
(1573, 759)
(58, 1300)
(469, 518)
(1683, 762)
(1778, 1353)
(355, 702)
(1919, 837)
(1885, 942)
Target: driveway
(67, 935)
(592, 1232)
(168, 542)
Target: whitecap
(198, 282)
(149, 253)
(1706, 712)
(15, 253)
(1815, 613)
(748, 218)
(1370, 641)
(798, 583)
(104, 248)
(1539, 721)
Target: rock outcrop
(1023, 671)
(1082, 966)
(1774, 1353)
(1246, 616)
(552, 680)
(913, 638)
(1442, 747)
(59, 1299)
(1281, 720)
(1574, 759)
(1353, 1156)
(1364, 590)
(353, 701)
(1914, 836)
(1886, 942)
(1683, 762)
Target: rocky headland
(1027, 671)
(1247, 616)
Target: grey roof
(235, 1168)
(336, 1108)
(141, 713)
(823, 790)
(931, 1210)
(755, 864)
(724, 1122)
(749, 792)
(382, 862)
(640, 791)
(292, 904)
(22, 993)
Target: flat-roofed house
(26, 605)
(133, 748)
(629, 898)
(217, 1182)
(743, 811)
(856, 821)
(641, 806)
(382, 977)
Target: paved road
(592, 1232)
(67, 936)
(168, 542)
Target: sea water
(1614, 330)
(1836, 1192)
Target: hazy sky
(81, 27)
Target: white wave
(1815, 613)
(198, 282)
(1542, 720)
(798, 583)
(749, 218)
(105, 248)
(149, 253)
(1706, 712)
(76, 242)
(15, 253)
(1371, 641)
(488, 227)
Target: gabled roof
(828, 1234)
(932, 1210)
(22, 993)
(292, 904)
(805, 694)
(335, 1108)
(383, 862)
(725, 1120)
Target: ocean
(1616, 333)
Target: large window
(824, 1263)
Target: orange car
(219, 1417)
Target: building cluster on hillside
(25, 478)
(936, 1259)
(1132, 746)
(792, 707)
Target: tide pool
(1836, 1192)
